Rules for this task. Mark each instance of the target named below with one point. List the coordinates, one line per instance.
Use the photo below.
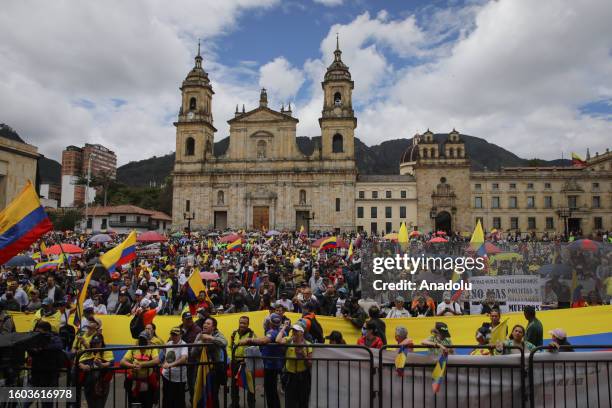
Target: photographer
(448, 307)
(355, 313)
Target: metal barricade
(120, 385)
(335, 376)
(468, 381)
(570, 379)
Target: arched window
(425, 151)
(192, 104)
(459, 152)
(190, 146)
(337, 143)
(433, 153)
(451, 152)
(220, 198)
(302, 197)
(337, 99)
(261, 149)
(208, 147)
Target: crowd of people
(279, 273)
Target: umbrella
(177, 235)
(229, 238)
(101, 238)
(491, 249)
(339, 243)
(585, 245)
(209, 275)
(272, 233)
(437, 240)
(183, 240)
(212, 234)
(66, 248)
(151, 236)
(555, 269)
(392, 236)
(93, 283)
(20, 260)
(414, 234)
(441, 233)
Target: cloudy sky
(534, 77)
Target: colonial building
(18, 164)
(264, 180)
(124, 218)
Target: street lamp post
(188, 217)
(308, 218)
(564, 213)
(432, 214)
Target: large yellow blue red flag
(22, 223)
(123, 253)
(477, 240)
(234, 246)
(196, 285)
(42, 267)
(328, 243)
(439, 370)
(203, 391)
(82, 296)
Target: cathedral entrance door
(261, 217)
(302, 218)
(444, 222)
(220, 220)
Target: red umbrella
(67, 249)
(229, 238)
(441, 233)
(414, 234)
(491, 249)
(437, 240)
(151, 236)
(586, 245)
(209, 275)
(339, 243)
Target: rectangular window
(547, 185)
(388, 227)
(530, 202)
(595, 186)
(374, 194)
(403, 194)
(359, 212)
(402, 212)
(494, 202)
(373, 228)
(362, 194)
(138, 219)
(513, 186)
(477, 186)
(548, 202)
(598, 223)
(512, 202)
(495, 186)
(122, 219)
(550, 223)
(530, 186)
(596, 202)
(104, 224)
(388, 212)
(187, 205)
(481, 221)
(497, 222)
(373, 212)
(514, 223)
(387, 194)
(360, 228)
(337, 204)
(531, 223)
(572, 202)
(89, 222)
(477, 202)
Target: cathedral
(264, 180)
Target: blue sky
(511, 71)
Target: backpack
(136, 325)
(315, 330)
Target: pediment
(262, 114)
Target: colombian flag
(234, 246)
(22, 223)
(42, 267)
(244, 379)
(123, 253)
(438, 373)
(328, 243)
(577, 160)
(203, 396)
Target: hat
(175, 330)
(297, 327)
(343, 290)
(96, 339)
(558, 333)
(87, 304)
(138, 292)
(187, 315)
(123, 293)
(446, 296)
(399, 299)
(442, 328)
(275, 319)
(202, 310)
(145, 302)
(145, 335)
(47, 301)
(335, 335)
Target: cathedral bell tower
(194, 128)
(338, 120)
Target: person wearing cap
(95, 379)
(398, 310)
(138, 296)
(242, 333)
(174, 371)
(369, 337)
(35, 303)
(252, 298)
(535, 330)
(483, 335)
(285, 302)
(48, 313)
(297, 366)
(189, 332)
(272, 359)
(448, 307)
(124, 307)
(216, 345)
(558, 341)
(516, 340)
(84, 336)
(439, 339)
(342, 294)
(328, 301)
(335, 337)
(141, 382)
(112, 300)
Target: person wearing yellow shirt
(94, 377)
(297, 366)
(155, 339)
(47, 313)
(141, 382)
(82, 341)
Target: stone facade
(18, 164)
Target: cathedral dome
(197, 76)
(411, 154)
(338, 70)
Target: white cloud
(281, 80)
(329, 3)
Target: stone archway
(444, 222)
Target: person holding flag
(517, 339)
